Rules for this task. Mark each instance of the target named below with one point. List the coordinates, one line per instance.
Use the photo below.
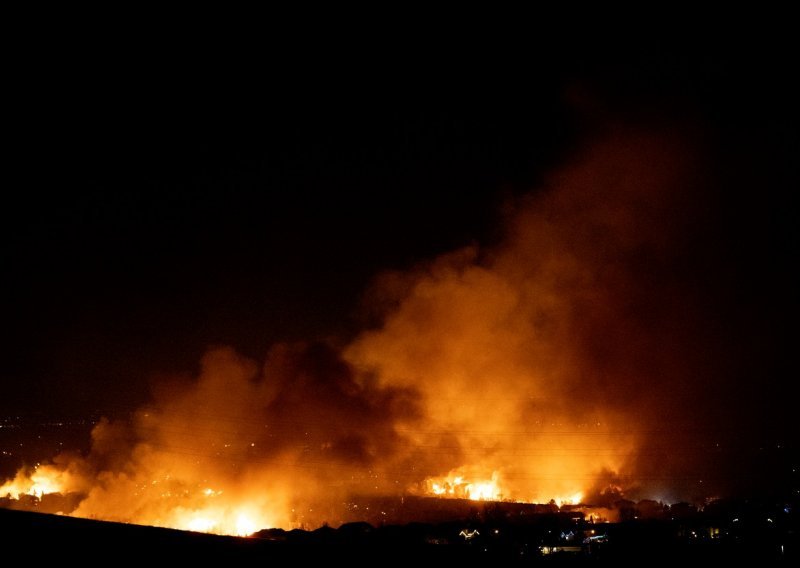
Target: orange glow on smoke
(515, 373)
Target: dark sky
(157, 204)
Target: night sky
(156, 205)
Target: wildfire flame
(574, 499)
(43, 480)
(242, 521)
(456, 486)
(495, 375)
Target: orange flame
(43, 480)
(456, 486)
(511, 368)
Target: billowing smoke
(553, 359)
(241, 447)
(554, 364)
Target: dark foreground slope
(41, 537)
(547, 539)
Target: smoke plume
(558, 363)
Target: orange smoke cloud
(529, 370)
(529, 356)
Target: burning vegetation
(534, 370)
